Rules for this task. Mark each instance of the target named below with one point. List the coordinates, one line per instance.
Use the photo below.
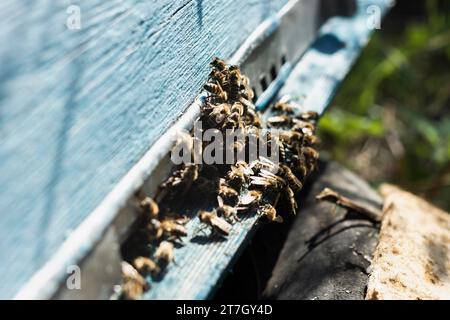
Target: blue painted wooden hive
(86, 91)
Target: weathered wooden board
(412, 258)
(78, 108)
(328, 249)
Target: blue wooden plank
(316, 78)
(78, 108)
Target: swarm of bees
(260, 187)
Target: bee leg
(201, 229)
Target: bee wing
(267, 174)
(247, 199)
(220, 201)
(259, 181)
(221, 225)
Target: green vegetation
(390, 121)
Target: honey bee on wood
(235, 79)
(237, 108)
(293, 181)
(291, 137)
(217, 224)
(228, 194)
(311, 157)
(250, 199)
(299, 164)
(218, 76)
(249, 93)
(309, 116)
(267, 179)
(284, 107)
(216, 90)
(218, 64)
(180, 181)
(238, 174)
(229, 213)
(219, 114)
(311, 153)
(312, 140)
(301, 124)
(291, 200)
(263, 163)
(164, 252)
(303, 127)
(172, 228)
(251, 116)
(280, 146)
(277, 121)
(150, 208)
(270, 213)
(146, 265)
(133, 284)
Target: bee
(284, 107)
(164, 252)
(237, 108)
(309, 116)
(291, 136)
(218, 64)
(146, 265)
(235, 78)
(149, 207)
(225, 211)
(247, 104)
(238, 174)
(217, 224)
(293, 181)
(279, 120)
(251, 116)
(267, 179)
(228, 194)
(218, 76)
(311, 153)
(291, 201)
(301, 126)
(311, 157)
(249, 93)
(216, 89)
(250, 199)
(173, 228)
(299, 164)
(281, 147)
(180, 181)
(262, 163)
(270, 213)
(133, 284)
(219, 114)
(312, 140)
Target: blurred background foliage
(390, 121)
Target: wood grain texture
(412, 258)
(79, 108)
